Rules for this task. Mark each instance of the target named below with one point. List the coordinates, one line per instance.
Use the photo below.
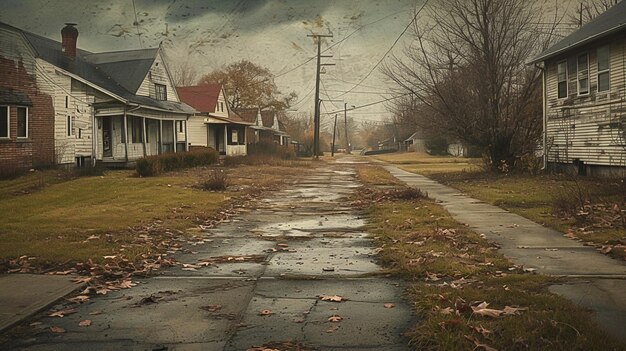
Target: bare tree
(466, 66)
(588, 10)
(183, 71)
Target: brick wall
(38, 149)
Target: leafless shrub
(572, 199)
(216, 180)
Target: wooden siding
(71, 99)
(589, 128)
(197, 130)
(158, 74)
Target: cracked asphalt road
(286, 250)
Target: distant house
(215, 125)
(265, 126)
(60, 105)
(415, 143)
(585, 97)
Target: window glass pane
(561, 71)
(603, 81)
(21, 122)
(583, 85)
(4, 122)
(582, 62)
(603, 58)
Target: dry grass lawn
(55, 222)
(426, 164)
(540, 198)
(452, 270)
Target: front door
(107, 137)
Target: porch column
(245, 140)
(160, 136)
(144, 136)
(126, 134)
(225, 139)
(175, 132)
(186, 137)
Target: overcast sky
(271, 33)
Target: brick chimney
(69, 34)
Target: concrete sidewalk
(23, 295)
(597, 281)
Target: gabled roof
(128, 68)
(201, 97)
(268, 118)
(247, 114)
(204, 98)
(118, 73)
(609, 22)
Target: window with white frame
(4, 122)
(562, 79)
(222, 106)
(160, 92)
(583, 74)
(604, 82)
(180, 126)
(22, 122)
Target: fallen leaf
(482, 310)
(56, 329)
(511, 311)
(62, 313)
(265, 312)
(84, 323)
(333, 328)
(482, 330)
(446, 311)
(335, 318)
(389, 305)
(34, 324)
(187, 265)
(95, 313)
(126, 284)
(79, 298)
(332, 298)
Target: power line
(388, 51)
(372, 103)
(337, 43)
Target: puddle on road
(336, 223)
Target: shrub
(217, 180)
(266, 147)
(572, 199)
(171, 161)
(437, 145)
(8, 172)
(530, 163)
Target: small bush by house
(171, 161)
(266, 147)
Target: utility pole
(345, 125)
(332, 150)
(316, 118)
